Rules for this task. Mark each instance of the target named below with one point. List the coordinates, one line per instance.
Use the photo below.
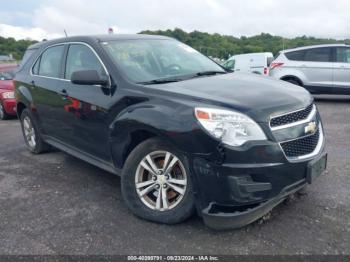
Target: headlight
(230, 127)
(8, 95)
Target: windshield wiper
(161, 81)
(177, 78)
(209, 73)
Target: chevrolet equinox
(183, 133)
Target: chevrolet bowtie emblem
(310, 128)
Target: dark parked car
(7, 94)
(183, 133)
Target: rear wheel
(31, 134)
(3, 114)
(156, 184)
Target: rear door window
(323, 54)
(35, 69)
(49, 63)
(342, 55)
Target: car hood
(6, 85)
(257, 96)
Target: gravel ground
(57, 204)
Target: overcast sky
(38, 19)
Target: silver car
(321, 69)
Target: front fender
(174, 123)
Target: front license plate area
(316, 168)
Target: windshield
(9, 75)
(147, 60)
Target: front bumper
(233, 195)
(217, 219)
(9, 106)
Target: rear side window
(295, 55)
(26, 56)
(343, 55)
(81, 57)
(318, 55)
(49, 63)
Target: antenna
(64, 30)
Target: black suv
(183, 133)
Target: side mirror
(89, 77)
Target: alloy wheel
(161, 180)
(29, 132)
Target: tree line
(223, 46)
(215, 45)
(14, 47)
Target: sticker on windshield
(187, 48)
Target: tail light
(276, 65)
(8, 95)
(266, 70)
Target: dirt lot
(57, 204)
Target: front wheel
(156, 183)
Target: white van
(257, 63)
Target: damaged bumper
(232, 195)
(220, 218)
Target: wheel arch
(24, 99)
(19, 108)
(173, 123)
(126, 135)
(292, 77)
(136, 137)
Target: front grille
(291, 117)
(302, 146)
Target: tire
(293, 81)
(3, 114)
(169, 211)
(31, 134)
